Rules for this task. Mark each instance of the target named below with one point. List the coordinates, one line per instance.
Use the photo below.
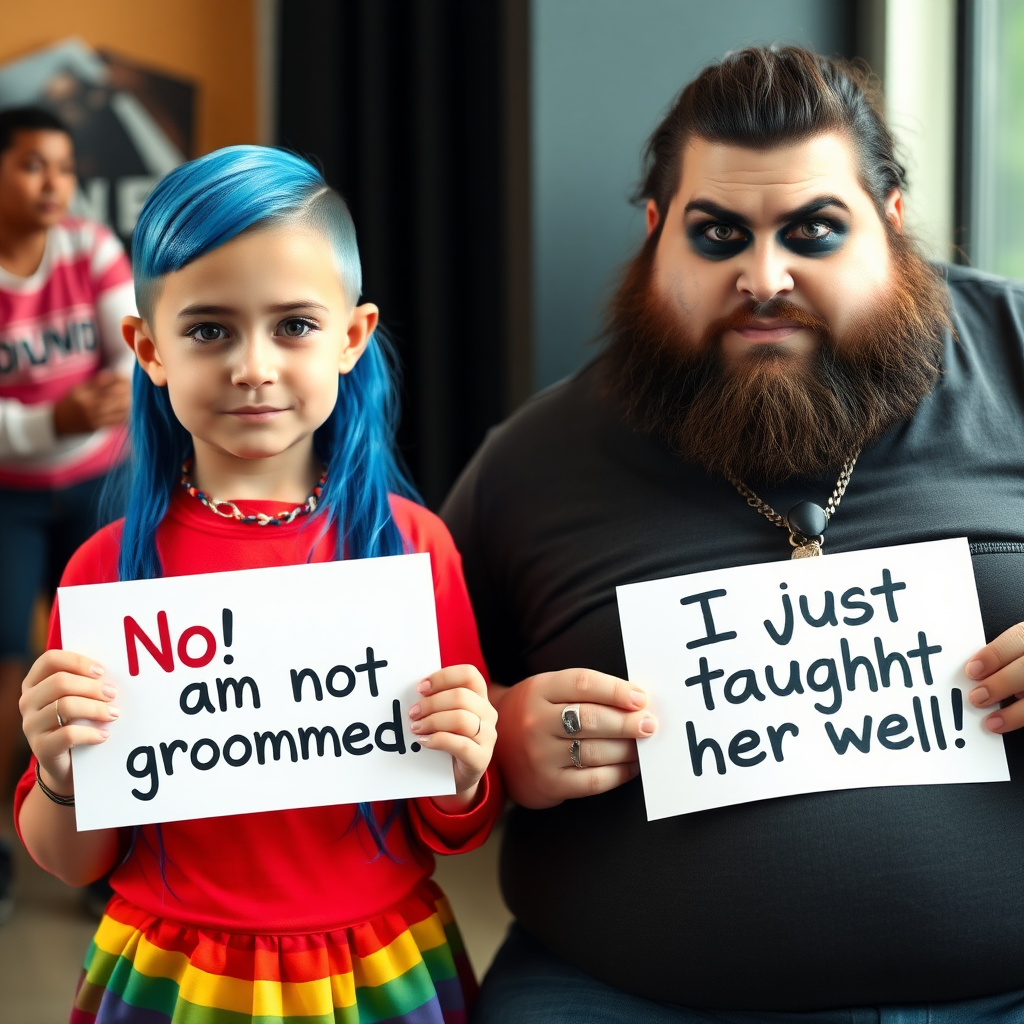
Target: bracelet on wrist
(57, 798)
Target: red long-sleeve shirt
(298, 870)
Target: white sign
(800, 676)
(257, 690)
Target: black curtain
(402, 104)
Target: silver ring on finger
(574, 753)
(571, 719)
(56, 708)
(479, 726)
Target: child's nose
(255, 366)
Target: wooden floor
(42, 946)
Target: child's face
(249, 340)
(37, 179)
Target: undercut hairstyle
(207, 202)
(764, 97)
(195, 209)
(27, 119)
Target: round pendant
(812, 549)
(807, 519)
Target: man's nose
(254, 363)
(765, 272)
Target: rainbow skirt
(407, 965)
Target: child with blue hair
(262, 433)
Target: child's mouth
(256, 413)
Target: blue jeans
(39, 532)
(528, 985)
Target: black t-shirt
(905, 894)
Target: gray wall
(603, 73)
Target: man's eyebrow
(813, 207)
(716, 211)
(732, 217)
(200, 309)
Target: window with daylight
(992, 137)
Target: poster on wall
(131, 124)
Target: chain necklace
(806, 522)
(229, 510)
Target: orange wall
(210, 42)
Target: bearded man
(777, 336)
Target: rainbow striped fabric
(407, 965)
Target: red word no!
(163, 653)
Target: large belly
(892, 895)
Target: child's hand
(455, 715)
(64, 687)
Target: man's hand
(998, 669)
(533, 749)
(103, 400)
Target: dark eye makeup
(720, 240)
(706, 239)
(813, 237)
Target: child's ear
(139, 337)
(360, 329)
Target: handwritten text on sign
(800, 676)
(257, 690)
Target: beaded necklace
(234, 512)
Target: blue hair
(196, 208)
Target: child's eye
(296, 327)
(207, 332)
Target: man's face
(37, 179)
(791, 224)
(777, 323)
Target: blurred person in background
(65, 284)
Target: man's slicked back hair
(762, 97)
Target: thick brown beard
(758, 420)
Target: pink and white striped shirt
(57, 328)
